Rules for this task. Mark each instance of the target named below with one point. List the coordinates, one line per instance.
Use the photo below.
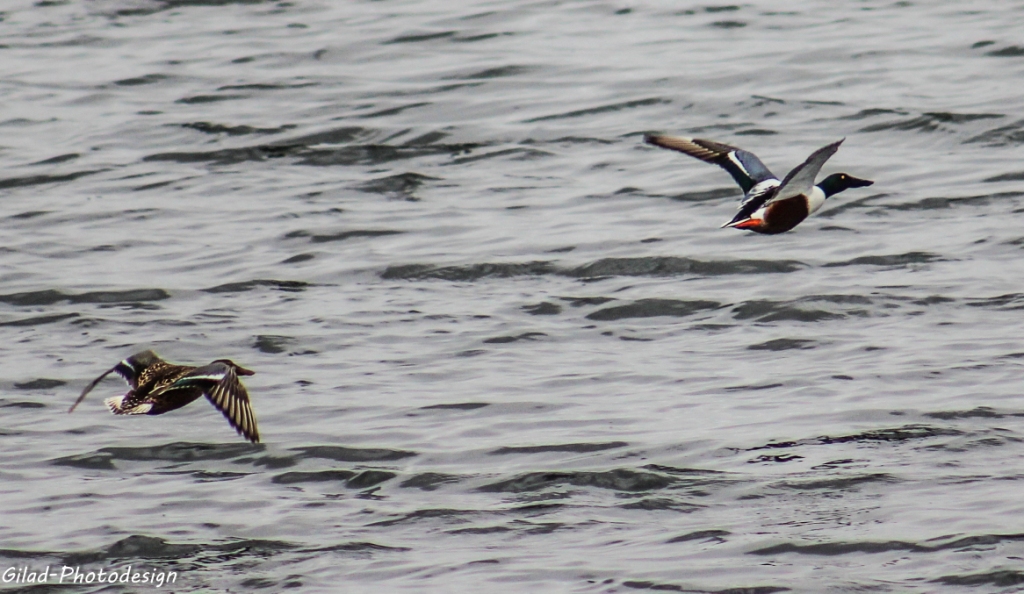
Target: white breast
(815, 199)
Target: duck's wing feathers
(760, 195)
(221, 386)
(744, 166)
(801, 179)
(130, 369)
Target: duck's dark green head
(837, 182)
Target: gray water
(500, 343)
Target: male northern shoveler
(158, 387)
(768, 206)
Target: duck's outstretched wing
(743, 166)
(130, 369)
(801, 179)
(221, 386)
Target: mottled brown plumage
(158, 387)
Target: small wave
(466, 273)
(648, 585)
(617, 480)
(1010, 134)
(718, 535)
(529, 336)
(35, 180)
(576, 448)
(893, 435)
(1010, 301)
(356, 547)
(1001, 578)
(783, 344)
(267, 87)
(40, 384)
(209, 128)
(841, 483)
(343, 454)
(298, 258)
(342, 135)
(841, 548)
(606, 267)
(146, 79)
(846, 548)
(40, 320)
(272, 344)
(1011, 51)
(22, 405)
(243, 286)
(58, 159)
(426, 514)
(938, 203)
(496, 72)
(342, 235)
(544, 308)
(227, 156)
(981, 412)
(376, 154)
(894, 260)
(649, 308)
(402, 185)
(797, 310)
(705, 195)
(674, 266)
(872, 112)
(52, 296)
(516, 154)
(420, 37)
(352, 479)
(104, 458)
(429, 481)
(931, 121)
(456, 406)
(135, 547)
(662, 504)
(393, 110)
(599, 110)
(1016, 176)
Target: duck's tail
(116, 406)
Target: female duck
(158, 387)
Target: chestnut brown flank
(783, 215)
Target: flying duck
(769, 206)
(158, 387)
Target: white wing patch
(759, 190)
(735, 161)
(759, 214)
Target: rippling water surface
(500, 343)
